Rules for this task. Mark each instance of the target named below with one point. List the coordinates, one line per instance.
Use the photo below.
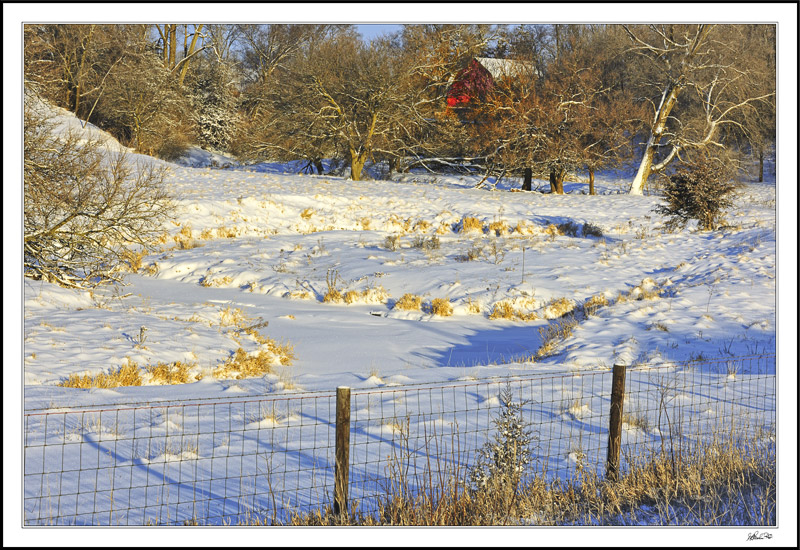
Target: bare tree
(83, 206)
(70, 64)
(169, 34)
(145, 106)
(703, 65)
(555, 119)
(268, 47)
(341, 98)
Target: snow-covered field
(261, 246)
(268, 244)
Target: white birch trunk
(668, 100)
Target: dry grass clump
(391, 242)
(307, 213)
(404, 225)
(126, 375)
(233, 317)
(470, 224)
(552, 231)
(441, 307)
(524, 228)
(370, 295)
(499, 228)
(243, 365)
(648, 289)
(427, 244)
(422, 226)
(474, 253)
(176, 372)
(184, 239)
(505, 309)
(333, 294)
(409, 302)
(558, 307)
(594, 303)
(209, 281)
(133, 260)
(246, 365)
(554, 333)
(225, 233)
(351, 296)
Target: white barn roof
(500, 68)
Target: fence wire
(265, 460)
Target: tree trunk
(81, 67)
(357, 161)
(527, 180)
(668, 100)
(760, 165)
(318, 166)
(173, 46)
(392, 162)
(191, 51)
(591, 181)
(557, 181)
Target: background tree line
(591, 97)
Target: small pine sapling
(503, 461)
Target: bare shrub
(427, 244)
(591, 230)
(569, 228)
(83, 207)
(391, 242)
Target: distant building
(480, 75)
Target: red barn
(479, 77)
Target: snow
(262, 243)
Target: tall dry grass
(720, 484)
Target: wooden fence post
(342, 469)
(615, 422)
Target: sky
(369, 32)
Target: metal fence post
(615, 422)
(341, 473)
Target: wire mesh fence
(207, 462)
(266, 459)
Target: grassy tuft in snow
(126, 375)
(409, 302)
